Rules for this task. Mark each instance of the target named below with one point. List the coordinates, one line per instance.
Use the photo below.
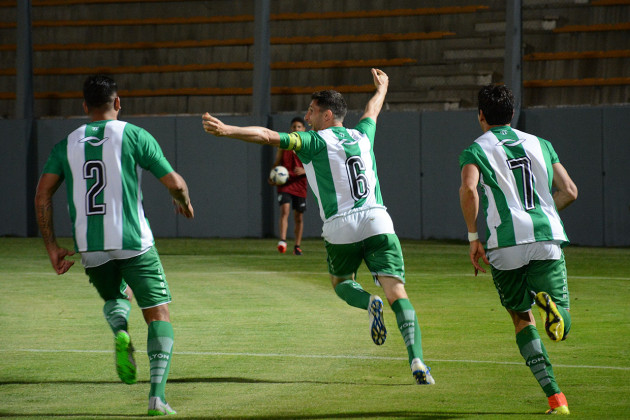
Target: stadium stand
(170, 58)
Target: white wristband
(473, 236)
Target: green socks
(409, 328)
(116, 313)
(533, 351)
(159, 350)
(566, 317)
(353, 294)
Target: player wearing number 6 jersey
(517, 173)
(101, 163)
(341, 170)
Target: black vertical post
(24, 105)
(261, 105)
(513, 66)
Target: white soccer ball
(279, 175)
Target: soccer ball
(279, 175)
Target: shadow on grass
(350, 415)
(420, 415)
(234, 380)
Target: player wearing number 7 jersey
(517, 173)
(341, 170)
(101, 164)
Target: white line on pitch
(320, 356)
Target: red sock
(556, 400)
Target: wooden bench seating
(611, 81)
(600, 27)
(412, 36)
(575, 55)
(278, 90)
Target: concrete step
(475, 54)
(455, 80)
(412, 101)
(547, 24)
(534, 4)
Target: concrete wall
(13, 178)
(417, 155)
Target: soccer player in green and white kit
(517, 172)
(341, 170)
(101, 163)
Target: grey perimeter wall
(417, 155)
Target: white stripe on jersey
(113, 217)
(310, 176)
(76, 160)
(337, 160)
(145, 230)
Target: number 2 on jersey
(94, 169)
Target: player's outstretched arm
(46, 188)
(374, 105)
(253, 134)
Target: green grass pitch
(260, 335)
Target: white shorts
(357, 225)
(513, 257)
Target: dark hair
(98, 91)
(300, 120)
(497, 104)
(331, 99)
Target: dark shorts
(297, 203)
(143, 273)
(514, 286)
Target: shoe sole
(554, 324)
(125, 363)
(377, 327)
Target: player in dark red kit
(292, 193)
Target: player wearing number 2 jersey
(516, 173)
(101, 163)
(341, 170)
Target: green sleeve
(284, 141)
(367, 126)
(467, 156)
(55, 162)
(149, 154)
(302, 142)
(552, 153)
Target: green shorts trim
(382, 255)
(143, 273)
(514, 286)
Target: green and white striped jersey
(516, 178)
(340, 167)
(102, 164)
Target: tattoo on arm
(44, 212)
